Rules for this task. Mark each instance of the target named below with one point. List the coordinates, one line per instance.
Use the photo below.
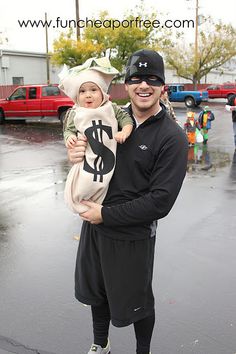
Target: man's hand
(94, 214)
(230, 108)
(77, 152)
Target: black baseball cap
(145, 62)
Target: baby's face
(89, 95)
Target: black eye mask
(149, 79)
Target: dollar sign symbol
(105, 160)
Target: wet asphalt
(194, 277)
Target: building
(22, 68)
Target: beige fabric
(97, 70)
(89, 180)
(71, 84)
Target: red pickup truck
(35, 101)
(221, 91)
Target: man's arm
(165, 183)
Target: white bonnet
(97, 70)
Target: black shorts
(115, 271)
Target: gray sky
(33, 39)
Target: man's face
(143, 95)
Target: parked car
(221, 91)
(35, 101)
(177, 93)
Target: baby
(96, 117)
(90, 95)
(92, 86)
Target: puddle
(33, 133)
(202, 159)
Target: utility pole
(196, 56)
(47, 55)
(196, 36)
(77, 19)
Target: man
(232, 107)
(116, 252)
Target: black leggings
(101, 321)
(143, 328)
(143, 332)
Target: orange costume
(190, 127)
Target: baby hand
(121, 136)
(71, 141)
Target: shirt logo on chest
(143, 147)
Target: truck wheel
(229, 97)
(2, 117)
(189, 102)
(62, 116)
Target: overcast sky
(34, 39)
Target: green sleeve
(69, 126)
(122, 116)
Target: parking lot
(194, 277)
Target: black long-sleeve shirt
(150, 168)
(232, 102)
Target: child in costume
(205, 118)
(94, 116)
(190, 127)
(165, 100)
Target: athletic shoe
(97, 349)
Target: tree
(130, 36)
(73, 52)
(116, 43)
(102, 36)
(217, 45)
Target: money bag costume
(89, 179)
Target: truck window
(19, 94)
(228, 87)
(181, 88)
(213, 88)
(50, 91)
(32, 92)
